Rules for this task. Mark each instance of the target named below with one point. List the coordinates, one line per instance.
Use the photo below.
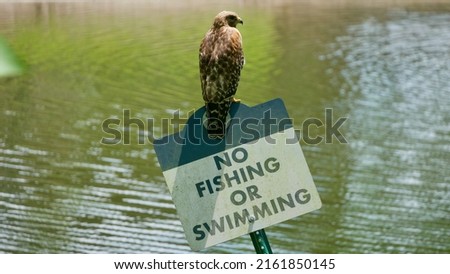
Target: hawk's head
(227, 18)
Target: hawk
(221, 59)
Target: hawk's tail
(216, 113)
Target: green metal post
(260, 242)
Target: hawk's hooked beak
(240, 20)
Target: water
(384, 67)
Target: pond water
(384, 67)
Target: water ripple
(397, 76)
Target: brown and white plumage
(221, 60)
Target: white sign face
(242, 189)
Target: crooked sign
(255, 177)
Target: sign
(255, 177)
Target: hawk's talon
(235, 100)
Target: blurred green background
(383, 65)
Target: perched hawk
(221, 60)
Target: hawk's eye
(231, 17)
